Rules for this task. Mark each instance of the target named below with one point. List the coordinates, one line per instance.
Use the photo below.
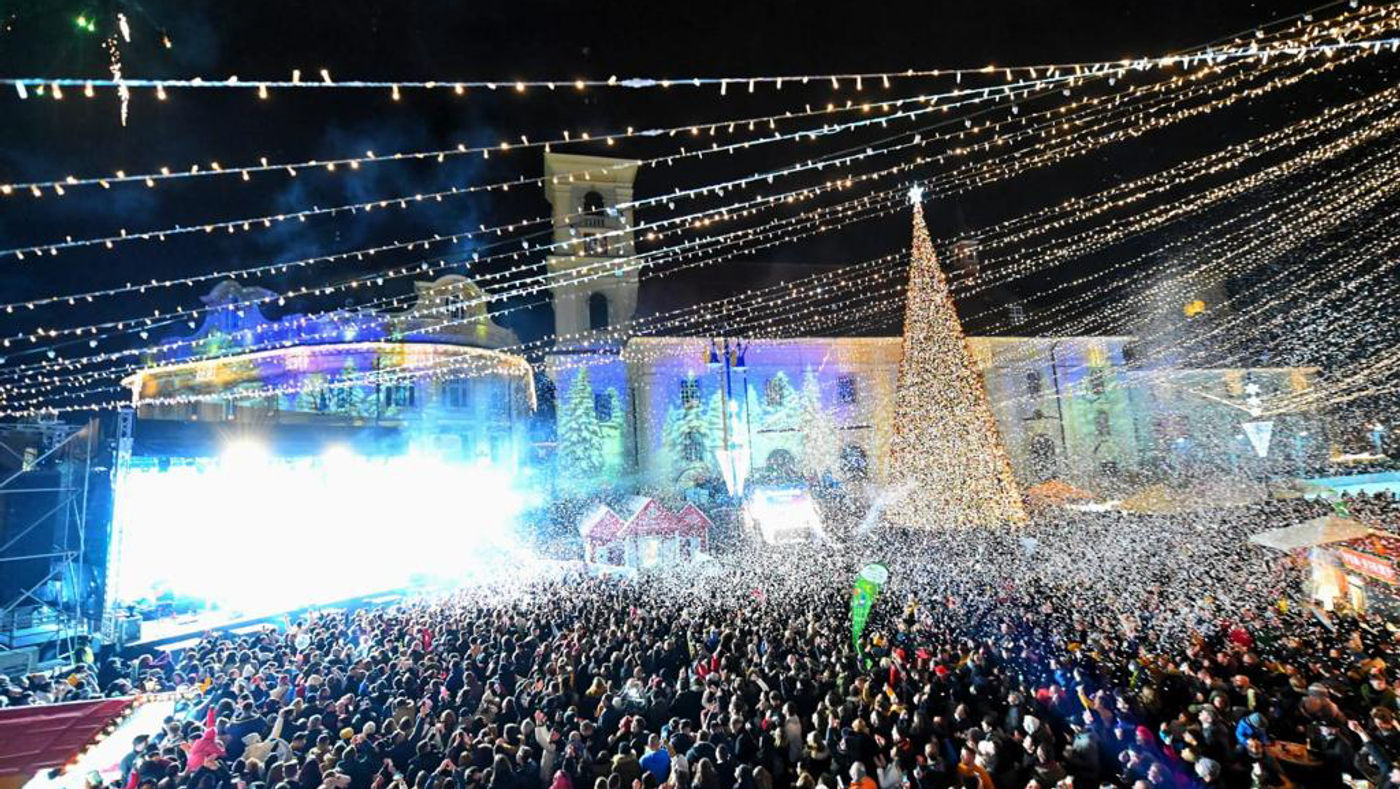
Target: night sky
(254, 39)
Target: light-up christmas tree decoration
(580, 436)
(946, 458)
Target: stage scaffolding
(45, 484)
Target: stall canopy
(41, 737)
(1318, 531)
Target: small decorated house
(645, 534)
(694, 530)
(600, 530)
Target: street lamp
(734, 456)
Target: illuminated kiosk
(368, 452)
(649, 536)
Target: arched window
(597, 312)
(782, 464)
(593, 203)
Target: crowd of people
(1088, 651)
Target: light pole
(730, 357)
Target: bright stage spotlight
(252, 532)
(783, 515)
(244, 453)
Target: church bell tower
(594, 280)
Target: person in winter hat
(206, 747)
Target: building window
(1097, 384)
(693, 447)
(690, 393)
(1033, 383)
(400, 395)
(455, 394)
(597, 312)
(1102, 426)
(602, 407)
(773, 393)
(1018, 313)
(846, 389)
(498, 401)
(593, 202)
(595, 245)
(1109, 468)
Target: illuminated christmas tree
(580, 435)
(946, 458)
(821, 442)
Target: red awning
(45, 736)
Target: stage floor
(182, 631)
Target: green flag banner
(1339, 508)
(869, 581)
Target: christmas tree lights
(946, 457)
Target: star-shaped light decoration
(916, 194)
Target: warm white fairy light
(700, 252)
(1080, 150)
(1027, 259)
(1283, 222)
(699, 255)
(1239, 327)
(837, 81)
(1206, 244)
(737, 310)
(1356, 27)
(946, 453)
(1077, 210)
(227, 225)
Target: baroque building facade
(437, 373)
(681, 413)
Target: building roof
(601, 524)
